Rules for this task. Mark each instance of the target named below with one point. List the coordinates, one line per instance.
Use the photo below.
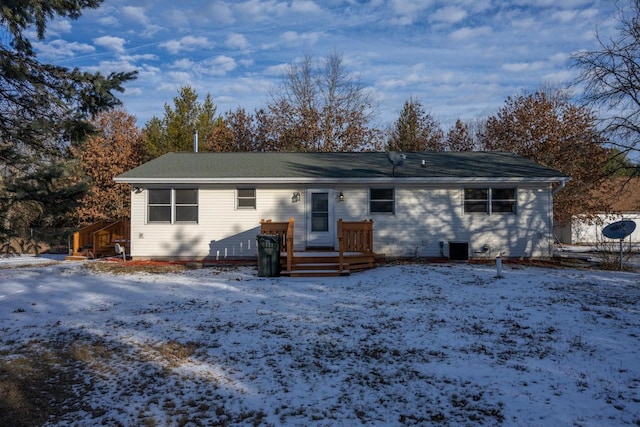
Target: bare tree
(611, 76)
(320, 107)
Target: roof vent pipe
(195, 141)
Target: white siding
(424, 216)
(589, 231)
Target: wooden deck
(99, 239)
(355, 250)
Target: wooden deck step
(316, 273)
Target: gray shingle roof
(324, 167)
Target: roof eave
(380, 180)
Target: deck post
(289, 238)
(340, 246)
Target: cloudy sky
(460, 58)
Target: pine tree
(459, 138)
(415, 130)
(44, 109)
(175, 131)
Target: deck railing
(355, 246)
(284, 230)
(354, 236)
(83, 238)
(99, 239)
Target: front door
(320, 223)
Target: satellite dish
(396, 159)
(619, 230)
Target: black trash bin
(268, 255)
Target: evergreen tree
(459, 138)
(175, 131)
(44, 109)
(415, 130)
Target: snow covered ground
(413, 344)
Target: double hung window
(171, 205)
(382, 200)
(246, 198)
(490, 200)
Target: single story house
(459, 205)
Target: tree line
(63, 136)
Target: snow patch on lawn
(399, 345)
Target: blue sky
(460, 58)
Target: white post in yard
(499, 266)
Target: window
(173, 205)
(476, 200)
(503, 200)
(490, 200)
(381, 200)
(246, 198)
(159, 205)
(186, 205)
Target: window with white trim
(490, 200)
(171, 205)
(382, 200)
(246, 198)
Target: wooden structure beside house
(99, 239)
(354, 252)
(456, 205)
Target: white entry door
(320, 221)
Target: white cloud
(408, 11)
(237, 41)
(469, 32)
(109, 21)
(62, 48)
(305, 6)
(564, 15)
(187, 43)
(520, 67)
(218, 66)
(183, 64)
(449, 14)
(112, 43)
(277, 70)
(181, 77)
(293, 38)
(220, 12)
(58, 26)
(136, 14)
(559, 58)
(559, 77)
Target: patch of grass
(113, 267)
(39, 386)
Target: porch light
(296, 197)
(341, 197)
